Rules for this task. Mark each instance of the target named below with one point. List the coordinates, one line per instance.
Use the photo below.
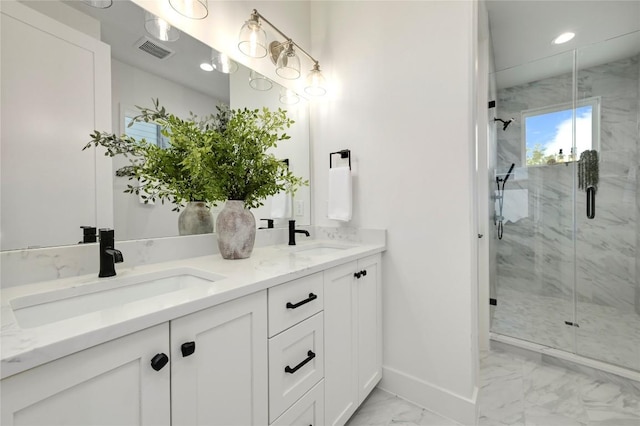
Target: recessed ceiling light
(206, 66)
(563, 38)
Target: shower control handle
(591, 202)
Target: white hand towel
(340, 193)
(281, 205)
(515, 205)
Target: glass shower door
(608, 206)
(535, 265)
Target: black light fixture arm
(255, 14)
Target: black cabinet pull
(310, 356)
(364, 273)
(188, 348)
(357, 275)
(591, 202)
(307, 300)
(159, 361)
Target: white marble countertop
(24, 348)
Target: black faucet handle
(89, 234)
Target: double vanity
(291, 335)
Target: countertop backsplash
(19, 267)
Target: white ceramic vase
(235, 230)
(196, 218)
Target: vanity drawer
(294, 301)
(309, 410)
(296, 363)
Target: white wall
(402, 76)
(130, 87)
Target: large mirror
(137, 76)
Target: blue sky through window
(552, 131)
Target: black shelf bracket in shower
(345, 153)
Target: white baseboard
(434, 398)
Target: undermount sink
(319, 248)
(44, 308)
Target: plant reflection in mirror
(223, 156)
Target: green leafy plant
(223, 156)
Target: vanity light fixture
(253, 39)
(192, 9)
(159, 28)
(259, 81)
(100, 4)
(253, 43)
(564, 37)
(288, 63)
(222, 63)
(315, 82)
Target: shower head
(505, 123)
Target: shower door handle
(591, 202)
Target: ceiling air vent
(153, 48)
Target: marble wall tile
(536, 255)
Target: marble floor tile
(383, 408)
(519, 390)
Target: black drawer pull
(364, 273)
(310, 356)
(159, 361)
(357, 275)
(188, 348)
(307, 300)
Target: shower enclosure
(566, 272)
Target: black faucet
(293, 231)
(109, 256)
(269, 224)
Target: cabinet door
(340, 347)
(369, 321)
(224, 381)
(109, 384)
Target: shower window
(548, 132)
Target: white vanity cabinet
(307, 351)
(109, 384)
(353, 336)
(215, 374)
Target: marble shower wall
(536, 253)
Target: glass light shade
(288, 96)
(253, 39)
(206, 66)
(259, 81)
(316, 84)
(288, 64)
(100, 4)
(159, 28)
(222, 63)
(193, 9)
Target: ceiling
(122, 25)
(522, 31)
